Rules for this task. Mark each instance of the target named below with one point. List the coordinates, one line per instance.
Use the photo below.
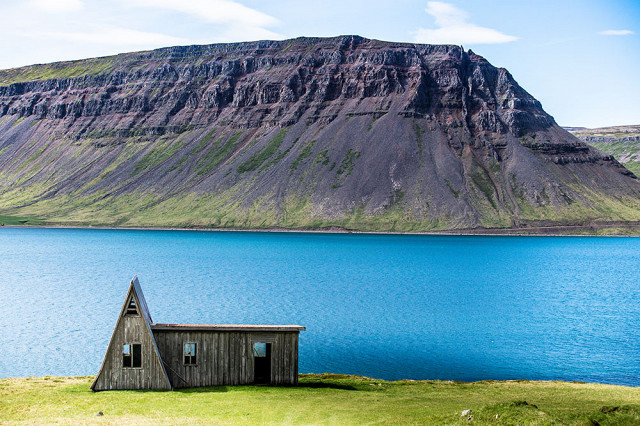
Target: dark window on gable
(190, 354)
(131, 307)
(132, 355)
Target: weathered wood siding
(226, 357)
(129, 330)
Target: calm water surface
(391, 307)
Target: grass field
(322, 399)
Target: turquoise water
(391, 307)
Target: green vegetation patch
(69, 69)
(483, 182)
(453, 191)
(304, 154)
(33, 157)
(15, 220)
(349, 160)
(204, 141)
(618, 147)
(345, 168)
(323, 399)
(198, 148)
(217, 154)
(279, 156)
(626, 152)
(264, 154)
(322, 158)
(633, 167)
(125, 154)
(18, 121)
(156, 155)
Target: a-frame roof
(135, 292)
(142, 302)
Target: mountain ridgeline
(304, 133)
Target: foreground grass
(327, 398)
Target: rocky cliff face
(308, 132)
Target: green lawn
(332, 399)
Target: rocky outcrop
(340, 131)
(276, 82)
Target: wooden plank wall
(131, 329)
(226, 358)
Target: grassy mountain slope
(623, 142)
(304, 133)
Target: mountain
(303, 133)
(623, 142)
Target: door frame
(271, 342)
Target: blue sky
(581, 59)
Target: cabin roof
(225, 327)
(142, 301)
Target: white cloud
(445, 14)
(214, 11)
(56, 6)
(238, 18)
(37, 31)
(454, 28)
(119, 37)
(616, 32)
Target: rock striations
(304, 133)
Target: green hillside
(623, 142)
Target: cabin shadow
(208, 389)
(215, 389)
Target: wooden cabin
(146, 355)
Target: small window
(126, 355)
(189, 354)
(260, 350)
(131, 307)
(132, 355)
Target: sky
(580, 59)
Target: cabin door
(262, 363)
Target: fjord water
(387, 306)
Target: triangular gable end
(132, 329)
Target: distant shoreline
(541, 231)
